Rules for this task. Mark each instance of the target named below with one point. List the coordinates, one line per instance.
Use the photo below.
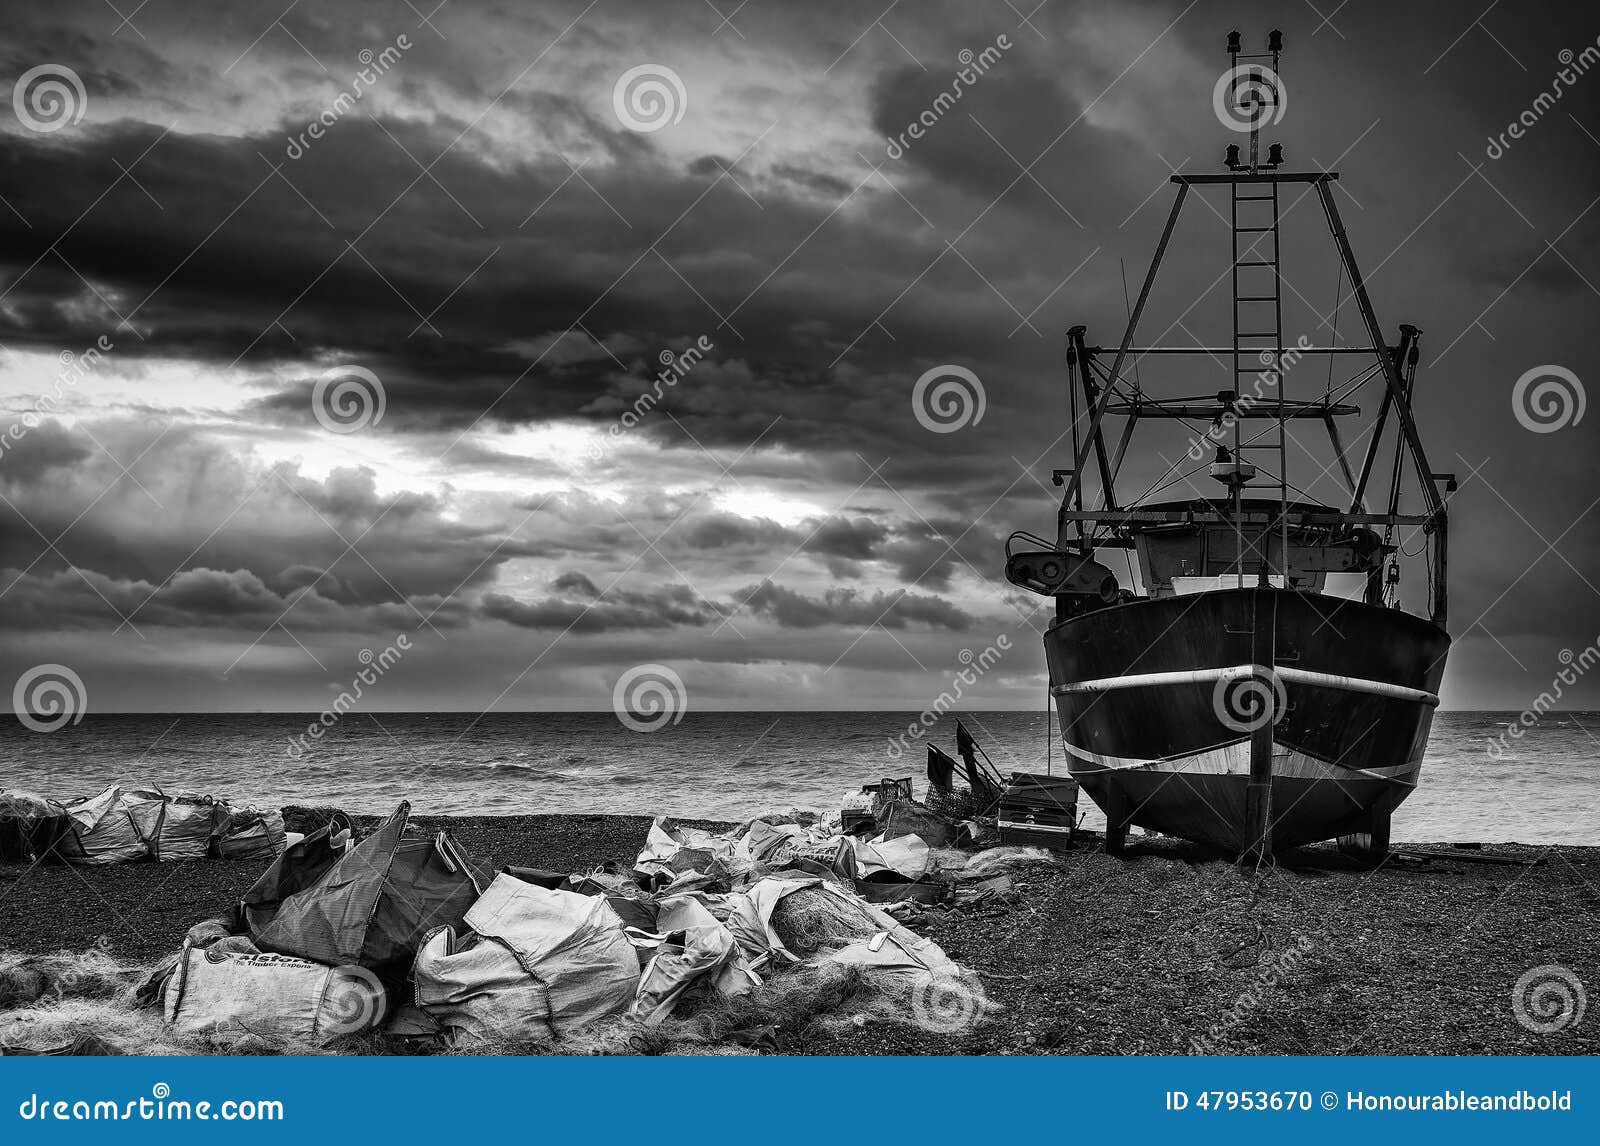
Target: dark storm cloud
(189, 504)
(346, 256)
(848, 607)
(212, 599)
(1018, 107)
(720, 531)
(580, 606)
(844, 544)
(523, 280)
(618, 609)
(47, 446)
(818, 183)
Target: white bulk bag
(253, 834)
(188, 825)
(706, 948)
(112, 827)
(222, 994)
(535, 964)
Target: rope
(1049, 724)
(1338, 301)
(1138, 383)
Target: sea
(1479, 783)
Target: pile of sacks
(124, 825)
(405, 935)
(896, 866)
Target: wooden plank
(1471, 857)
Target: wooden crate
(1034, 835)
(1049, 801)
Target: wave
(469, 768)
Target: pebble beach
(1169, 950)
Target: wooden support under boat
(1116, 823)
(1258, 793)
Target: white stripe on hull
(1250, 672)
(1234, 760)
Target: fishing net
(814, 919)
(29, 979)
(1000, 861)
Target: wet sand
(1155, 953)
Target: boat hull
(1161, 700)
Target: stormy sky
(352, 323)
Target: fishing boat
(1224, 692)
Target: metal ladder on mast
(1258, 310)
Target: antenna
(1263, 97)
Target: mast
(1258, 352)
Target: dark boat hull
(1147, 692)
